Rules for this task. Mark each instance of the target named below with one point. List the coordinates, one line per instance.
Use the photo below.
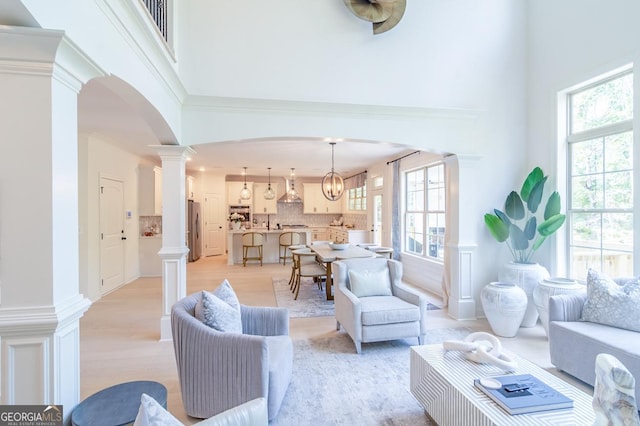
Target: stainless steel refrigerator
(194, 228)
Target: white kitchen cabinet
(316, 203)
(260, 205)
(343, 235)
(150, 191)
(233, 194)
(319, 234)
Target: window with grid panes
(357, 198)
(425, 212)
(600, 186)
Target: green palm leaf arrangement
(518, 226)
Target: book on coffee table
(523, 393)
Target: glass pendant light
(245, 194)
(269, 193)
(292, 194)
(332, 183)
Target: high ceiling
(102, 111)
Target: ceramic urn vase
(235, 226)
(526, 276)
(549, 287)
(504, 305)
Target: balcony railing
(158, 11)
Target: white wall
(571, 41)
(98, 157)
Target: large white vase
(526, 276)
(549, 287)
(504, 305)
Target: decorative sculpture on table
(614, 393)
(383, 14)
(483, 348)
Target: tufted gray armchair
(218, 371)
(374, 318)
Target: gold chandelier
(332, 183)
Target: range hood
(288, 197)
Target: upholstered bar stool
(287, 239)
(252, 241)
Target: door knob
(123, 238)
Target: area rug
(311, 302)
(333, 385)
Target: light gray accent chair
(378, 318)
(219, 371)
(575, 344)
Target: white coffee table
(442, 381)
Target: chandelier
(332, 183)
(269, 193)
(245, 194)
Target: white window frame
(567, 139)
(426, 211)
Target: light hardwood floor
(119, 334)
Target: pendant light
(332, 183)
(292, 194)
(269, 193)
(245, 194)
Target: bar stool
(286, 240)
(252, 240)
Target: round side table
(117, 405)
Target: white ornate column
(41, 74)
(462, 245)
(174, 248)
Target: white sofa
(575, 344)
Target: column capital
(42, 52)
(173, 151)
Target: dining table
(327, 255)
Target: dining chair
(286, 240)
(294, 265)
(307, 267)
(252, 241)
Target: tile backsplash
(293, 214)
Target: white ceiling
(102, 111)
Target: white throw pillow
(370, 283)
(151, 413)
(220, 309)
(611, 304)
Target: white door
(376, 227)
(112, 236)
(213, 226)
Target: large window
(600, 184)
(425, 212)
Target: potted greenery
(523, 230)
(518, 227)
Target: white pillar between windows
(462, 245)
(174, 248)
(41, 74)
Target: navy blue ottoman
(117, 405)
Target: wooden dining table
(327, 255)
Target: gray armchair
(219, 371)
(372, 318)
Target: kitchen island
(270, 250)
